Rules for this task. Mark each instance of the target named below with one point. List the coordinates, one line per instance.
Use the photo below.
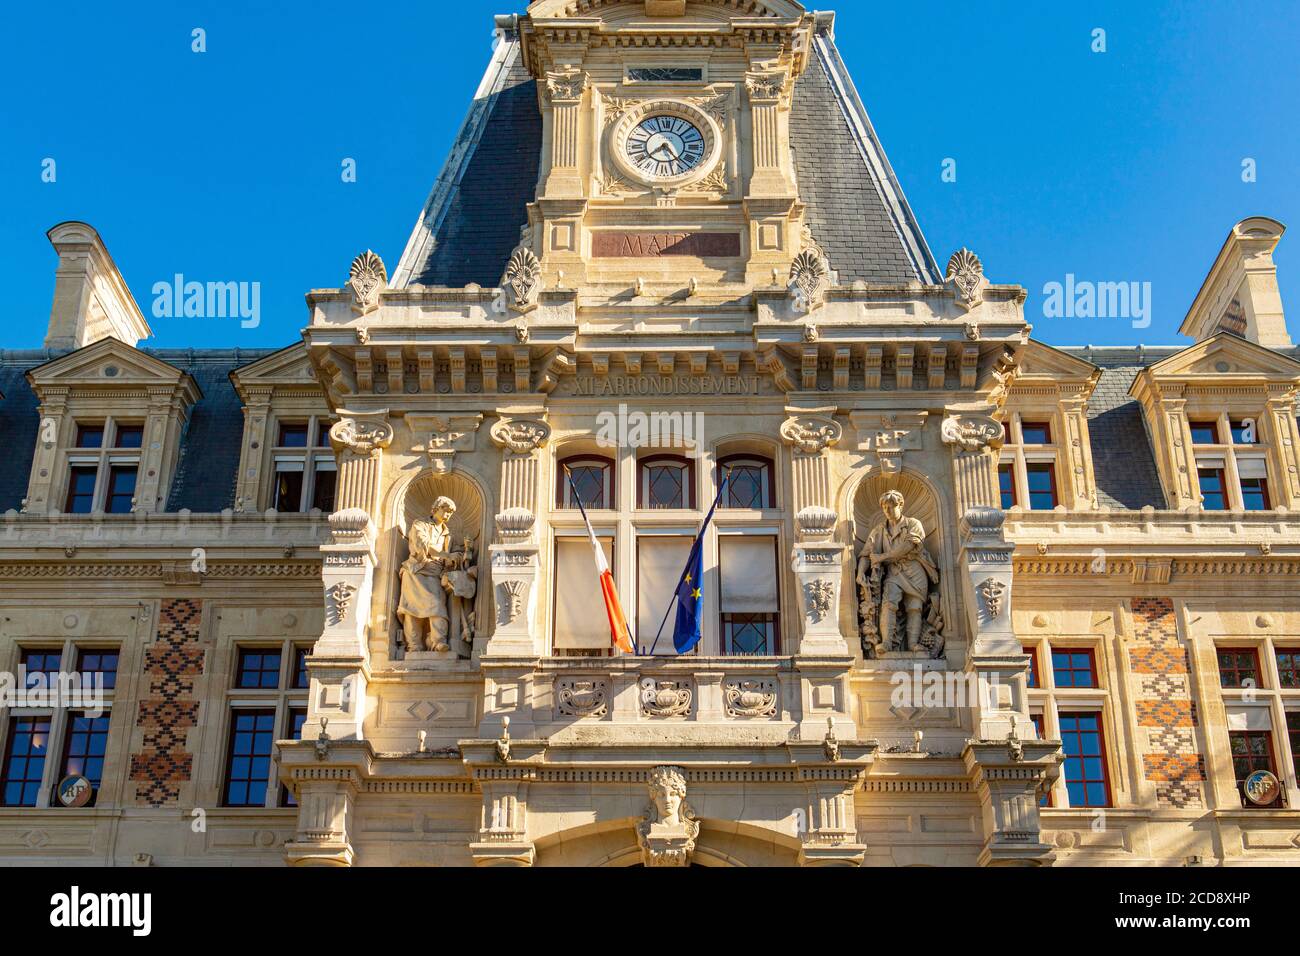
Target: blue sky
(225, 166)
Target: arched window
(751, 485)
(666, 481)
(594, 478)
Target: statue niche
(899, 602)
(438, 581)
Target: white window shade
(1210, 463)
(748, 569)
(580, 618)
(1249, 718)
(1252, 468)
(660, 562)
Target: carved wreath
(819, 595)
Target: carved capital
(811, 434)
(363, 436)
(971, 432)
(767, 87)
(566, 86)
(521, 435)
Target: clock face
(665, 146)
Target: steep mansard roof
(209, 459)
(470, 223)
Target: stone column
(772, 195)
(565, 89)
(514, 554)
(817, 560)
(503, 827)
(1009, 776)
(326, 779)
(974, 436)
(339, 664)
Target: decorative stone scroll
(366, 279)
(666, 698)
(750, 697)
(521, 436)
(582, 697)
(365, 437)
(812, 434)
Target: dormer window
(103, 467)
(1231, 475)
(305, 468)
(1027, 472)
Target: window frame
(774, 622)
(1227, 455)
(280, 700)
(564, 493)
(660, 459)
(314, 456)
(104, 460)
(747, 460)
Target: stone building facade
(968, 598)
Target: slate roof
(209, 456)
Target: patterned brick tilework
(1164, 706)
(166, 715)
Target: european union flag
(690, 600)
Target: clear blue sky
(225, 166)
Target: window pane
(1251, 750)
(29, 738)
(1036, 433)
(749, 634)
(749, 485)
(323, 492)
(121, 489)
(1293, 731)
(84, 748)
(1244, 434)
(1205, 433)
(129, 436)
(1007, 486)
(323, 434)
(300, 677)
(580, 619)
(1033, 665)
(1085, 764)
(1041, 479)
(664, 486)
(1212, 489)
(1254, 494)
(1238, 667)
(591, 478)
(90, 436)
(103, 663)
(1073, 668)
(42, 667)
(1288, 669)
(288, 491)
(81, 490)
(248, 766)
(293, 435)
(258, 668)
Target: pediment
(289, 366)
(1227, 355)
(1038, 360)
(108, 364)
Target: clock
(665, 146)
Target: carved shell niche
(919, 503)
(418, 498)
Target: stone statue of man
(895, 571)
(427, 581)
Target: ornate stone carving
(340, 595)
(766, 86)
(810, 276)
(581, 697)
(447, 436)
(523, 279)
(991, 591)
(668, 831)
(972, 432)
(966, 273)
(521, 436)
(717, 181)
(819, 597)
(896, 571)
(666, 698)
(366, 278)
(750, 697)
(364, 437)
(438, 584)
(816, 523)
(566, 85)
(812, 434)
(513, 594)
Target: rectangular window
(300, 677)
(1041, 478)
(1205, 433)
(750, 596)
(90, 436)
(42, 666)
(29, 739)
(297, 717)
(293, 435)
(580, 620)
(323, 434)
(1086, 780)
(750, 484)
(81, 490)
(84, 746)
(1036, 433)
(258, 668)
(121, 489)
(1251, 750)
(288, 488)
(322, 494)
(1073, 668)
(1288, 668)
(1212, 489)
(660, 562)
(248, 761)
(1244, 433)
(1238, 667)
(129, 436)
(1254, 494)
(1032, 651)
(1293, 732)
(99, 662)
(1007, 485)
(665, 74)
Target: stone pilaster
(503, 828)
(257, 416)
(1078, 453)
(1286, 441)
(974, 436)
(1008, 778)
(359, 439)
(565, 89)
(326, 779)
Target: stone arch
(614, 843)
(411, 499)
(927, 501)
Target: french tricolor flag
(620, 633)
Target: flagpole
(699, 542)
(636, 644)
